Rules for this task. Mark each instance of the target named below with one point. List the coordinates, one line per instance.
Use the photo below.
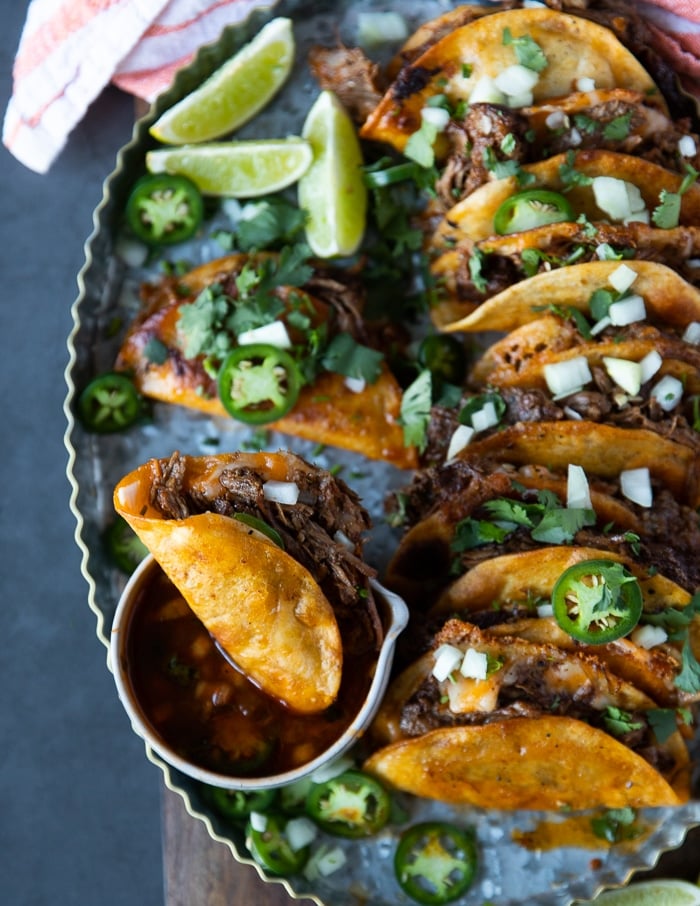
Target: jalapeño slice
(259, 383)
(353, 804)
(109, 403)
(597, 601)
(272, 850)
(236, 805)
(164, 208)
(435, 862)
(530, 209)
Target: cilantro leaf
(569, 175)
(201, 323)
(666, 214)
(619, 722)
(415, 411)
(688, 680)
(618, 128)
(344, 355)
(274, 220)
(559, 526)
(471, 533)
(527, 51)
(663, 722)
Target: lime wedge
(649, 893)
(235, 92)
(242, 169)
(332, 190)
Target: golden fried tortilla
(327, 411)
(454, 64)
(668, 298)
(542, 763)
(264, 609)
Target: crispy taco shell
(668, 298)
(544, 763)
(263, 607)
(327, 411)
(510, 583)
(602, 450)
(534, 682)
(519, 359)
(473, 217)
(572, 46)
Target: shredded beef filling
(327, 510)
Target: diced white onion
(601, 325)
(572, 414)
(475, 664)
(692, 333)
(585, 83)
(668, 392)
(516, 79)
(447, 659)
(330, 860)
(281, 491)
(258, 821)
(459, 440)
(355, 384)
(332, 769)
(650, 364)
(626, 373)
(379, 28)
(617, 198)
(686, 146)
(300, 832)
(132, 252)
(485, 418)
(485, 91)
(649, 636)
(568, 376)
(545, 610)
(575, 137)
(533, 4)
(436, 116)
(522, 99)
(627, 311)
(622, 278)
(578, 494)
(274, 334)
(557, 119)
(635, 485)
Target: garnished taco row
(267, 551)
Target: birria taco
(498, 721)
(483, 58)
(269, 340)
(471, 510)
(266, 550)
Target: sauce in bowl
(207, 711)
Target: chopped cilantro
(527, 51)
(663, 721)
(346, 356)
(156, 351)
(619, 722)
(415, 411)
(618, 128)
(667, 213)
(569, 175)
(476, 263)
(616, 825)
(688, 680)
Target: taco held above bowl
(266, 549)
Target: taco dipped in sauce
(268, 340)
(497, 721)
(267, 551)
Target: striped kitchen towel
(71, 49)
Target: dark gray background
(79, 802)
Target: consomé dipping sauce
(207, 710)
